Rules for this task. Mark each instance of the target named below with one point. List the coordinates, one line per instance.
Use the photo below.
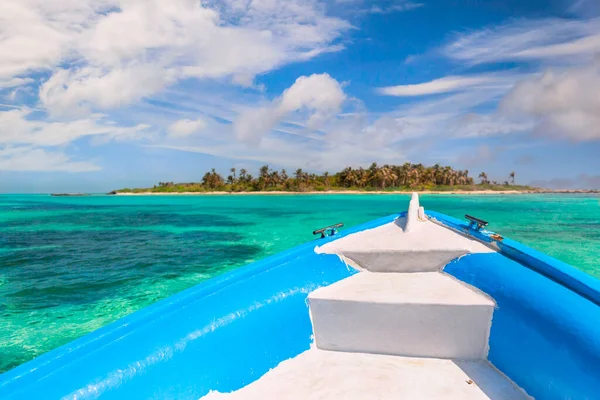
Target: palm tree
(346, 177)
(362, 176)
(385, 175)
(274, 178)
(299, 175)
(451, 177)
(212, 179)
(464, 178)
(404, 174)
(484, 178)
(263, 177)
(373, 169)
(512, 177)
(351, 177)
(355, 177)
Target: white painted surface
(413, 314)
(421, 214)
(403, 261)
(412, 216)
(390, 248)
(317, 374)
(417, 288)
(409, 244)
(392, 237)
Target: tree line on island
(375, 178)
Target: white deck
(425, 236)
(318, 374)
(426, 314)
(392, 247)
(394, 288)
(402, 306)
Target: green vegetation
(406, 177)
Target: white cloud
(26, 143)
(27, 41)
(464, 114)
(14, 82)
(318, 95)
(291, 142)
(86, 56)
(355, 134)
(565, 103)
(23, 158)
(381, 6)
(561, 103)
(486, 125)
(132, 49)
(459, 115)
(37, 34)
(103, 55)
(349, 133)
(402, 6)
(442, 85)
(185, 127)
(546, 39)
(180, 34)
(253, 124)
(300, 26)
(72, 91)
(312, 154)
(17, 128)
(586, 46)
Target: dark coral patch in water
(76, 267)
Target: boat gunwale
(564, 274)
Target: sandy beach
(475, 192)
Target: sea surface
(69, 265)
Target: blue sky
(98, 95)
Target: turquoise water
(69, 265)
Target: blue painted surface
(565, 274)
(544, 336)
(545, 332)
(220, 335)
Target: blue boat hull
(227, 332)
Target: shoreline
(263, 193)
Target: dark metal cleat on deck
(476, 223)
(332, 229)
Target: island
(407, 177)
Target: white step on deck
(326, 375)
(427, 246)
(412, 314)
